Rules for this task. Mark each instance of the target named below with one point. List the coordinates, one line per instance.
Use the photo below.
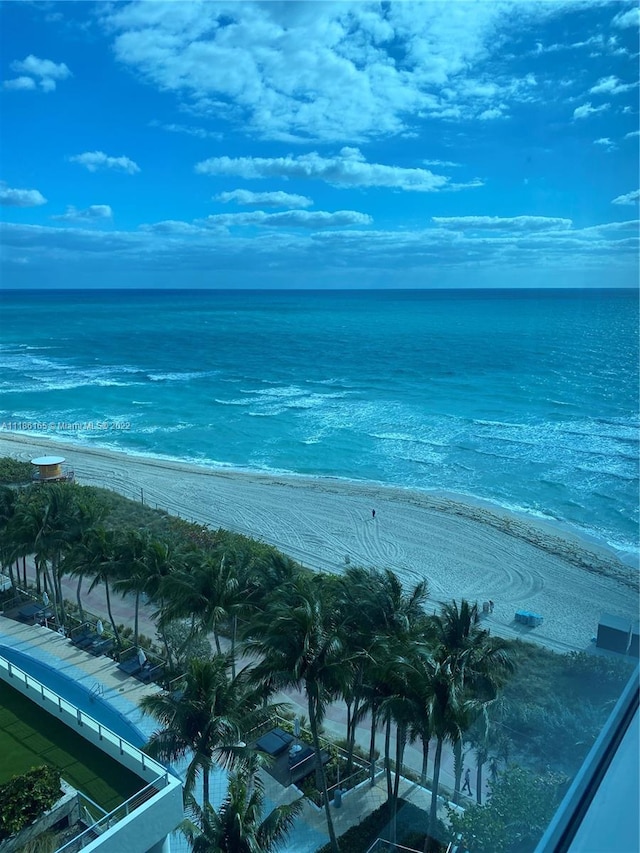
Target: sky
(466, 143)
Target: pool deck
(99, 674)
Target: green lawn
(30, 737)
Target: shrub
(14, 472)
(24, 798)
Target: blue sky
(319, 144)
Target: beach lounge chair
(302, 763)
(131, 666)
(149, 672)
(80, 634)
(31, 612)
(87, 640)
(101, 647)
(274, 742)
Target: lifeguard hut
(50, 470)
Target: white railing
(380, 845)
(108, 820)
(45, 694)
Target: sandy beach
(463, 549)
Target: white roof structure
(48, 460)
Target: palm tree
(237, 826)
(400, 708)
(212, 590)
(100, 554)
(49, 522)
(207, 720)
(300, 645)
(8, 512)
(448, 705)
(481, 661)
(136, 545)
(160, 559)
(376, 611)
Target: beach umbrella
(296, 727)
(142, 658)
(99, 627)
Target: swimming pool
(88, 702)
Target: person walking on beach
(373, 513)
(467, 781)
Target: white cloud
(503, 223)
(272, 199)
(173, 226)
(611, 86)
(94, 160)
(493, 112)
(20, 83)
(606, 143)
(93, 213)
(20, 198)
(587, 110)
(632, 134)
(44, 71)
(328, 71)
(292, 219)
(154, 253)
(631, 18)
(443, 164)
(188, 129)
(629, 198)
(348, 169)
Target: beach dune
(463, 548)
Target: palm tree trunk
(79, 599)
(479, 766)
(400, 741)
(217, 641)
(433, 814)
(401, 735)
(313, 723)
(57, 579)
(136, 618)
(113, 622)
(49, 585)
(234, 631)
(372, 746)
(387, 757)
(425, 760)
(457, 769)
(205, 787)
(163, 635)
(352, 735)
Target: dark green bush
(13, 472)
(24, 798)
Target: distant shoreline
(462, 549)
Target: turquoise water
(526, 399)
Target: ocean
(525, 399)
